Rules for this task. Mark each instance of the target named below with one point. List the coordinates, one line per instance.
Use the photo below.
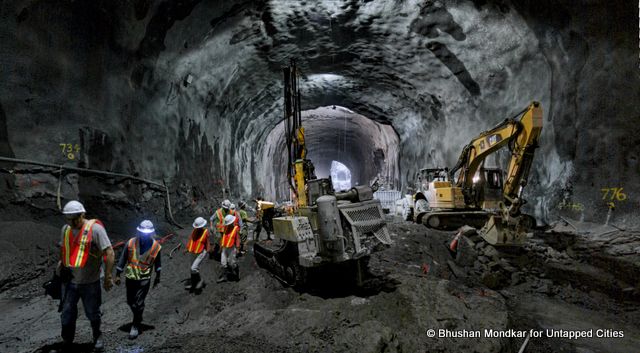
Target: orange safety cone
(453, 247)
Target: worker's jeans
(228, 256)
(91, 295)
(195, 266)
(136, 293)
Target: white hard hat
(146, 227)
(199, 222)
(73, 207)
(229, 219)
(233, 206)
(226, 204)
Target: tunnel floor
(562, 278)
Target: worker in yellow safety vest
(229, 245)
(264, 213)
(198, 245)
(140, 254)
(84, 246)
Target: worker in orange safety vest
(141, 254)
(84, 246)
(229, 245)
(217, 219)
(199, 245)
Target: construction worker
(265, 213)
(229, 244)
(217, 219)
(198, 245)
(141, 253)
(84, 245)
(234, 212)
(244, 230)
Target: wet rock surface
(414, 285)
(189, 91)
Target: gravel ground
(414, 286)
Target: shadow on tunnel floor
(142, 328)
(57, 347)
(339, 281)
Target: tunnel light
(325, 77)
(340, 176)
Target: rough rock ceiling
(190, 90)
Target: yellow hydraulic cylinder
(300, 184)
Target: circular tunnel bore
(366, 148)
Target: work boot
(98, 345)
(68, 333)
(133, 333)
(199, 282)
(192, 283)
(235, 271)
(223, 275)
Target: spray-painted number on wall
(564, 205)
(613, 194)
(68, 149)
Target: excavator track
(280, 258)
(452, 220)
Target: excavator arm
(508, 226)
(521, 135)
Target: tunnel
(368, 149)
(160, 110)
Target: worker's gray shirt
(99, 242)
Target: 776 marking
(613, 194)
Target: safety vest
(220, 224)
(237, 215)
(230, 239)
(139, 265)
(197, 245)
(75, 250)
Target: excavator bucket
(498, 232)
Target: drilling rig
(327, 229)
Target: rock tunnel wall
(188, 91)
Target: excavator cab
(428, 175)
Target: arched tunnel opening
(368, 149)
(161, 110)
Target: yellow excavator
(465, 194)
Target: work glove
(108, 283)
(156, 280)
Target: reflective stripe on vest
(75, 250)
(230, 239)
(136, 267)
(197, 245)
(220, 225)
